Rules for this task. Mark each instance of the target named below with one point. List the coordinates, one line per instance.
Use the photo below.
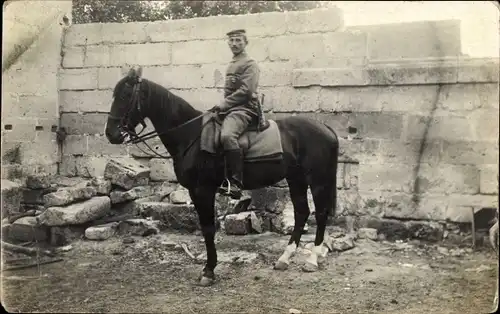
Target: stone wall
(31, 59)
(404, 100)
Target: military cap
(236, 32)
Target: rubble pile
(58, 210)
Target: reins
(136, 138)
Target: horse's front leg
(203, 199)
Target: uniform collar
(240, 56)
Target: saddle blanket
(255, 145)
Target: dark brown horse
(309, 159)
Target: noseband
(135, 138)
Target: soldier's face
(237, 44)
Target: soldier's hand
(214, 109)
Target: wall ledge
(402, 72)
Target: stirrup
(227, 191)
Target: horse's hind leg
(324, 197)
(298, 194)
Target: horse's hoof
(280, 266)
(309, 268)
(205, 281)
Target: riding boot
(234, 187)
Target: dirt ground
(152, 275)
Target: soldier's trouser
(233, 125)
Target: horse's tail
(335, 164)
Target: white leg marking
(289, 252)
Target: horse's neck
(170, 117)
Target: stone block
(119, 196)
(77, 213)
(287, 99)
(488, 179)
(275, 73)
(87, 167)
(101, 232)
(486, 124)
(108, 77)
(180, 76)
(41, 106)
(238, 224)
(407, 152)
(83, 34)
(455, 128)
(219, 52)
(175, 216)
(26, 229)
(101, 185)
(157, 54)
(97, 56)
(318, 20)
(85, 101)
(65, 196)
(126, 173)
(75, 145)
(63, 235)
(475, 70)
(466, 97)
(162, 170)
(284, 222)
(83, 124)
(200, 98)
(139, 227)
(469, 152)
(39, 181)
(98, 145)
(424, 38)
(377, 125)
(11, 197)
(410, 98)
(23, 129)
(124, 33)
(412, 74)
(73, 57)
(180, 196)
(442, 178)
(368, 233)
(78, 79)
(353, 76)
(270, 199)
(346, 44)
(284, 48)
(350, 99)
(385, 177)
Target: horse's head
(125, 113)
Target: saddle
(260, 142)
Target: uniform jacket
(242, 80)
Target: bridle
(135, 138)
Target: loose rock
(11, 197)
(77, 213)
(63, 235)
(238, 224)
(284, 222)
(342, 244)
(132, 194)
(102, 186)
(27, 229)
(101, 232)
(38, 181)
(255, 222)
(175, 216)
(65, 196)
(180, 196)
(368, 233)
(126, 172)
(140, 227)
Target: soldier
(239, 106)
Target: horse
(309, 159)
